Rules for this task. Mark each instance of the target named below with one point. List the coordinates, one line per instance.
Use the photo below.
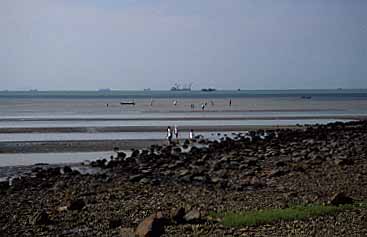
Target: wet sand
(74, 146)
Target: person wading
(169, 135)
(175, 131)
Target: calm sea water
(335, 94)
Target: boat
(127, 103)
(179, 87)
(208, 89)
(306, 97)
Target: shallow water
(12, 137)
(51, 158)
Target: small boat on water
(306, 97)
(127, 103)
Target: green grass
(253, 218)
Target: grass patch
(253, 218)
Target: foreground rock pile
(169, 190)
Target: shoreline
(104, 129)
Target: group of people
(175, 132)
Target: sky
(136, 44)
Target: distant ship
(179, 87)
(147, 89)
(208, 89)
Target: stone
(144, 181)
(41, 218)
(178, 214)
(76, 204)
(4, 185)
(121, 155)
(192, 216)
(340, 199)
(135, 178)
(135, 153)
(115, 222)
(343, 162)
(151, 226)
(127, 232)
(67, 170)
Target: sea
(31, 112)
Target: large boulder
(340, 199)
(41, 218)
(178, 214)
(76, 204)
(151, 226)
(192, 216)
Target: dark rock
(178, 214)
(135, 178)
(76, 204)
(121, 155)
(4, 185)
(192, 216)
(341, 199)
(278, 173)
(343, 162)
(115, 222)
(135, 153)
(41, 218)
(151, 226)
(280, 164)
(67, 170)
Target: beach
(171, 191)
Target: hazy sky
(248, 44)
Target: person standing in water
(230, 102)
(176, 132)
(191, 135)
(169, 135)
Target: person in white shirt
(191, 134)
(169, 135)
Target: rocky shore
(171, 190)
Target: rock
(127, 232)
(4, 185)
(183, 173)
(192, 216)
(121, 155)
(178, 214)
(343, 162)
(135, 153)
(340, 199)
(135, 178)
(200, 179)
(41, 218)
(144, 181)
(76, 204)
(278, 173)
(67, 170)
(115, 222)
(151, 226)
